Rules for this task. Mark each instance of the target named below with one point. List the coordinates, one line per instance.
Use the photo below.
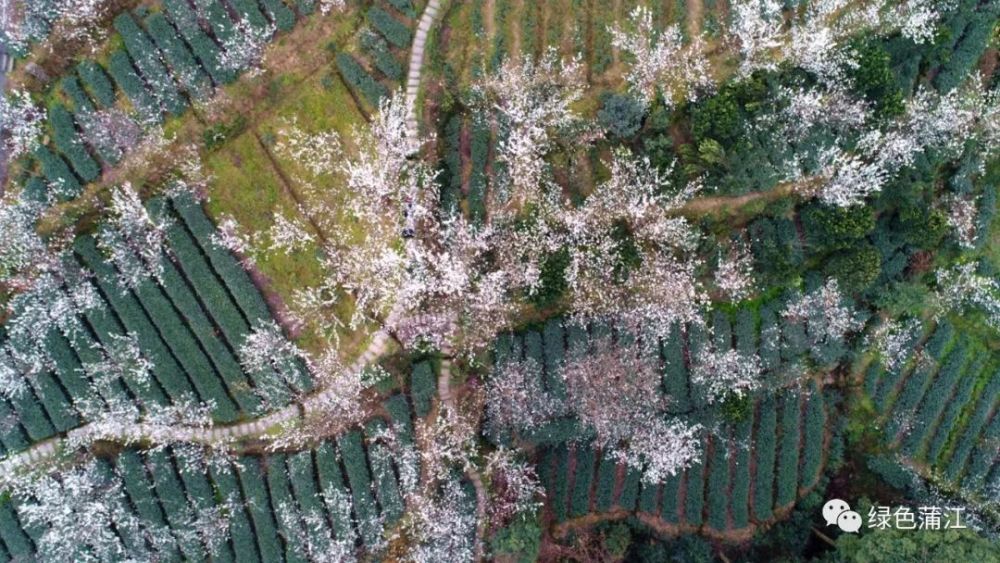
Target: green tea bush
(812, 440)
(583, 477)
(950, 417)
(378, 51)
(675, 372)
(788, 457)
(405, 7)
(174, 502)
(96, 81)
(477, 178)
(739, 498)
(290, 526)
(969, 434)
(208, 53)
(71, 87)
(928, 411)
(386, 486)
(390, 28)
(423, 386)
(282, 16)
(301, 475)
(32, 417)
(242, 535)
(718, 484)
(247, 10)
(357, 77)
(259, 506)
(555, 354)
(201, 327)
(121, 69)
(630, 489)
(694, 501)
(560, 482)
(67, 140)
(764, 456)
(147, 60)
(166, 370)
(355, 464)
(58, 174)
(130, 467)
(669, 506)
(190, 75)
(332, 484)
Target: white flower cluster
(20, 123)
(726, 374)
(133, 240)
(660, 60)
(962, 286)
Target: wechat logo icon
(838, 512)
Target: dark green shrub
(378, 51)
(62, 182)
(390, 28)
(874, 79)
(147, 60)
(621, 115)
(96, 81)
(185, 68)
(121, 69)
(423, 386)
(280, 14)
(583, 477)
(357, 77)
(67, 140)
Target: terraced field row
(168, 58)
(750, 471)
(941, 409)
(191, 327)
(280, 505)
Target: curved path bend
(212, 435)
(47, 449)
(415, 72)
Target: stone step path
(413, 76)
(47, 449)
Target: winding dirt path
(694, 13)
(214, 435)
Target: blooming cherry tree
(532, 100)
(133, 240)
(660, 60)
(615, 391)
(724, 374)
(20, 123)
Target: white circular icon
(849, 521)
(832, 509)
